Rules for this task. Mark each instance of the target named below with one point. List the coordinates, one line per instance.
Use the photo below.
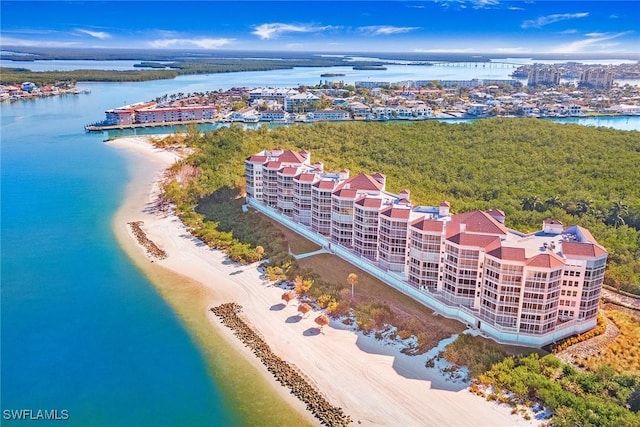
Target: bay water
(83, 329)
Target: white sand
(374, 383)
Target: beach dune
(371, 381)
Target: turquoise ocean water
(82, 329)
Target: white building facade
(526, 289)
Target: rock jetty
(152, 249)
(285, 373)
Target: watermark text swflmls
(35, 414)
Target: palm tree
(531, 203)
(352, 279)
(259, 252)
(584, 206)
(553, 202)
(617, 212)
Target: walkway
(308, 254)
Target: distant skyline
(431, 26)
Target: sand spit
(373, 383)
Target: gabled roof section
(508, 254)
(290, 156)
(288, 171)
(428, 225)
(369, 202)
(350, 193)
(481, 241)
(305, 177)
(395, 212)
(362, 182)
(273, 165)
(257, 159)
(546, 260)
(325, 184)
(475, 222)
(588, 250)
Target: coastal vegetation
(167, 67)
(531, 169)
(574, 397)
(10, 76)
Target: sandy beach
(372, 382)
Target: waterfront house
(328, 115)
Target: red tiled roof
(362, 182)
(305, 177)
(475, 222)
(476, 240)
(552, 221)
(273, 165)
(396, 212)
(369, 202)
(494, 211)
(546, 260)
(290, 156)
(346, 192)
(428, 225)
(445, 204)
(582, 249)
(288, 171)
(257, 159)
(325, 185)
(508, 254)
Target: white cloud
(550, 19)
(202, 43)
(97, 34)
(378, 30)
(571, 31)
(476, 4)
(273, 30)
(593, 40)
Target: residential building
(543, 76)
(300, 102)
(328, 115)
(529, 289)
(597, 78)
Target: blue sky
(465, 26)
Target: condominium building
(543, 76)
(598, 78)
(524, 288)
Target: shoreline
(443, 116)
(238, 375)
(372, 382)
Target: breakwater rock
(152, 249)
(285, 373)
